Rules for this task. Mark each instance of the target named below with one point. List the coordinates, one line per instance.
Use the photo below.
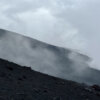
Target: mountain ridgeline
(52, 60)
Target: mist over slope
(55, 61)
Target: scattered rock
(10, 68)
(96, 87)
(57, 98)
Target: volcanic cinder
(22, 83)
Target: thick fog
(45, 58)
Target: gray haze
(45, 58)
(67, 23)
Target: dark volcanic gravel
(22, 83)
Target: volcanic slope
(22, 83)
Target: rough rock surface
(22, 83)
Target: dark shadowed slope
(45, 58)
(22, 83)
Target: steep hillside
(22, 83)
(45, 58)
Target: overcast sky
(68, 23)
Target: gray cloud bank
(67, 23)
(45, 58)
